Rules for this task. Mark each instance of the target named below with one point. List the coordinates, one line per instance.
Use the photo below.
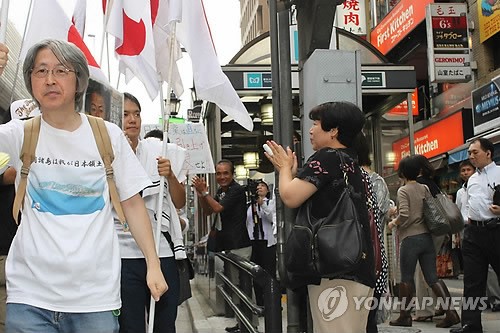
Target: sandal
(421, 319)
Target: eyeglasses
(59, 72)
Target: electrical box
(328, 76)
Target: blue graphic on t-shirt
(66, 199)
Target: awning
(461, 153)
(458, 156)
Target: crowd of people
(73, 265)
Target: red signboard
(400, 21)
(402, 108)
(432, 140)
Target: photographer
(261, 225)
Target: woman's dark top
(323, 171)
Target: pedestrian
(231, 204)
(261, 225)
(416, 244)
(481, 243)
(422, 289)
(335, 126)
(134, 290)
(376, 315)
(8, 227)
(63, 267)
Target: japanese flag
(48, 20)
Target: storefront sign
(446, 25)
(432, 140)
(373, 79)
(402, 108)
(351, 16)
(194, 114)
(400, 21)
(258, 80)
(449, 26)
(485, 108)
(488, 13)
(451, 60)
(452, 74)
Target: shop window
(380, 8)
(493, 42)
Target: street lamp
(175, 104)
(266, 112)
(251, 160)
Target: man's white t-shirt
(147, 151)
(65, 256)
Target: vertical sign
(351, 16)
(448, 43)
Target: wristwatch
(204, 194)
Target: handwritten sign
(192, 137)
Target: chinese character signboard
(485, 107)
(351, 16)
(488, 12)
(447, 29)
(400, 21)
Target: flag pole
(165, 112)
(18, 66)
(4, 16)
(105, 19)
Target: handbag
(442, 216)
(328, 246)
(444, 262)
(214, 240)
(376, 243)
(186, 272)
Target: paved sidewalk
(196, 315)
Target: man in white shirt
(481, 243)
(63, 267)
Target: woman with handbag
(320, 184)
(427, 313)
(416, 245)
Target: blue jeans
(136, 297)
(23, 318)
(418, 247)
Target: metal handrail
(270, 287)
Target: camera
(251, 190)
(496, 195)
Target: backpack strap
(31, 132)
(103, 142)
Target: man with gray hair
(63, 268)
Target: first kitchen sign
(432, 140)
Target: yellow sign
(489, 18)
